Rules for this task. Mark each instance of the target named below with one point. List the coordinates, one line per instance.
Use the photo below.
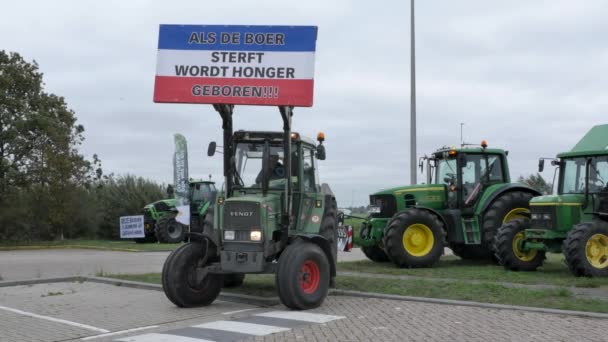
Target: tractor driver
(277, 170)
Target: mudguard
(497, 190)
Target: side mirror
(321, 152)
(541, 165)
(211, 149)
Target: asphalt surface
(48, 263)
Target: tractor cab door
(307, 196)
(477, 172)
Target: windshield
(201, 191)
(446, 171)
(573, 175)
(248, 162)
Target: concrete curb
(41, 281)
(338, 292)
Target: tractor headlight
(546, 216)
(229, 235)
(255, 235)
(535, 216)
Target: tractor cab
(465, 173)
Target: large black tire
(234, 279)
(179, 273)
(374, 253)
(470, 252)
(507, 251)
(329, 230)
(302, 278)
(168, 230)
(508, 206)
(586, 249)
(414, 238)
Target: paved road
(34, 264)
(99, 312)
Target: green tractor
(272, 216)
(468, 196)
(160, 222)
(574, 221)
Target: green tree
(536, 182)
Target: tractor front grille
(387, 204)
(242, 217)
(543, 217)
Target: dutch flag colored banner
(253, 65)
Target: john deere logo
(241, 213)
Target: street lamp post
(413, 170)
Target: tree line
(48, 189)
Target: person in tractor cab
(277, 171)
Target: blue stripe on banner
(237, 38)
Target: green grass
(263, 285)
(554, 272)
(91, 244)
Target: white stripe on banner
(300, 316)
(303, 63)
(243, 328)
(161, 338)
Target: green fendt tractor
(467, 197)
(573, 221)
(159, 217)
(272, 216)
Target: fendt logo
(241, 213)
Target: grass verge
(263, 285)
(124, 245)
(554, 272)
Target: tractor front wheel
(168, 230)
(414, 238)
(373, 253)
(508, 246)
(184, 280)
(302, 278)
(586, 249)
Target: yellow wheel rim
(597, 250)
(519, 254)
(516, 213)
(418, 239)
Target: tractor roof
(472, 149)
(262, 135)
(595, 142)
(196, 181)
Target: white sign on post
(132, 227)
(183, 215)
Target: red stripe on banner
(233, 91)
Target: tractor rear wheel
(181, 277)
(586, 249)
(470, 252)
(329, 230)
(508, 206)
(508, 247)
(414, 238)
(168, 230)
(303, 276)
(374, 253)
(234, 279)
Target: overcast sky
(529, 76)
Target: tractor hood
(251, 212)
(427, 195)
(558, 200)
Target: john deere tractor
(272, 216)
(573, 221)
(159, 217)
(468, 196)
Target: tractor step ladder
(471, 230)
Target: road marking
(241, 327)
(161, 338)
(238, 311)
(300, 316)
(52, 319)
(119, 332)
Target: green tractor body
(272, 216)
(160, 222)
(573, 220)
(468, 195)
